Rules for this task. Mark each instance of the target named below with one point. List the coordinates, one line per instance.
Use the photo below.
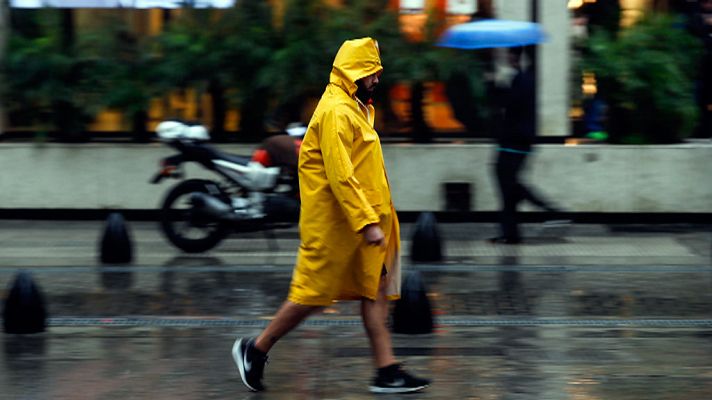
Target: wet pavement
(595, 312)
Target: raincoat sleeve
(336, 145)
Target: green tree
(223, 53)
(646, 76)
(249, 42)
(52, 83)
(127, 66)
(192, 55)
(299, 67)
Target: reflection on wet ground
(512, 348)
(603, 314)
(333, 363)
(233, 292)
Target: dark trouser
(512, 191)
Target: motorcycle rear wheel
(179, 223)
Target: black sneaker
(397, 381)
(250, 362)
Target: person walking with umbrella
(514, 144)
(518, 133)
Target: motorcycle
(247, 193)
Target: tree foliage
(646, 75)
(50, 82)
(127, 66)
(239, 56)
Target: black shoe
(504, 240)
(251, 363)
(394, 379)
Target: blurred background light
(121, 3)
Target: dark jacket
(519, 128)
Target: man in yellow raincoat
(349, 230)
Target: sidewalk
(61, 243)
(604, 312)
(248, 275)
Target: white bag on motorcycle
(172, 130)
(262, 178)
(254, 175)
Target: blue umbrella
(491, 33)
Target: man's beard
(364, 94)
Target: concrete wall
(588, 178)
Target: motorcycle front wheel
(180, 224)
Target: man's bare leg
(374, 314)
(250, 354)
(390, 376)
(287, 318)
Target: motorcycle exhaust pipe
(210, 206)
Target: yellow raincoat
(343, 186)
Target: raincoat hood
(356, 59)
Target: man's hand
(374, 235)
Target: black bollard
(412, 313)
(116, 245)
(425, 245)
(24, 310)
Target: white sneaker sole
(383, 390)
(240, 366)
